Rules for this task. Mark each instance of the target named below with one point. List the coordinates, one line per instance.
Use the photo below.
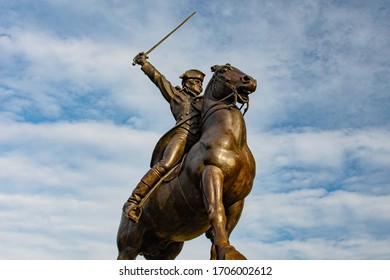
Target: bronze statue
(185, 106)
(205, 192)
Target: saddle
(166, 178)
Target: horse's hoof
(234, 256)
(230, 253)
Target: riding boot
(131, 208)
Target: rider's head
(192, 81)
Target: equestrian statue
(201, 170)
(205, 192)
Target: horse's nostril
(246, 79)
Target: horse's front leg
(212, 184)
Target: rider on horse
(185, 104)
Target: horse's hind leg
(212, 183)
(233, 214)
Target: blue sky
(78, 122)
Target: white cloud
(57, 68)
(311, 159)
(301, 224)
(63, 186)
(318, 249)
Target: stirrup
(132, 211)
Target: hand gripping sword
(169, 34)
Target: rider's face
(194, 85)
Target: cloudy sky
(78, 122)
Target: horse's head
(230, 83)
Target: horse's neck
(221, 117)
(211, 106)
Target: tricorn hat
(192, 74)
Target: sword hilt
(135, 59)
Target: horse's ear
(214, 68)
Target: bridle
(220, 103)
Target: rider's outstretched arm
(166, 88)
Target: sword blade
(170, 33)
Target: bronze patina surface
(206, 191)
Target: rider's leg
(143, 187)
(172, 154)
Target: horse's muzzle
(247, 85)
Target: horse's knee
(216, 213)
(212, 171)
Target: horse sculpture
(207, 194)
